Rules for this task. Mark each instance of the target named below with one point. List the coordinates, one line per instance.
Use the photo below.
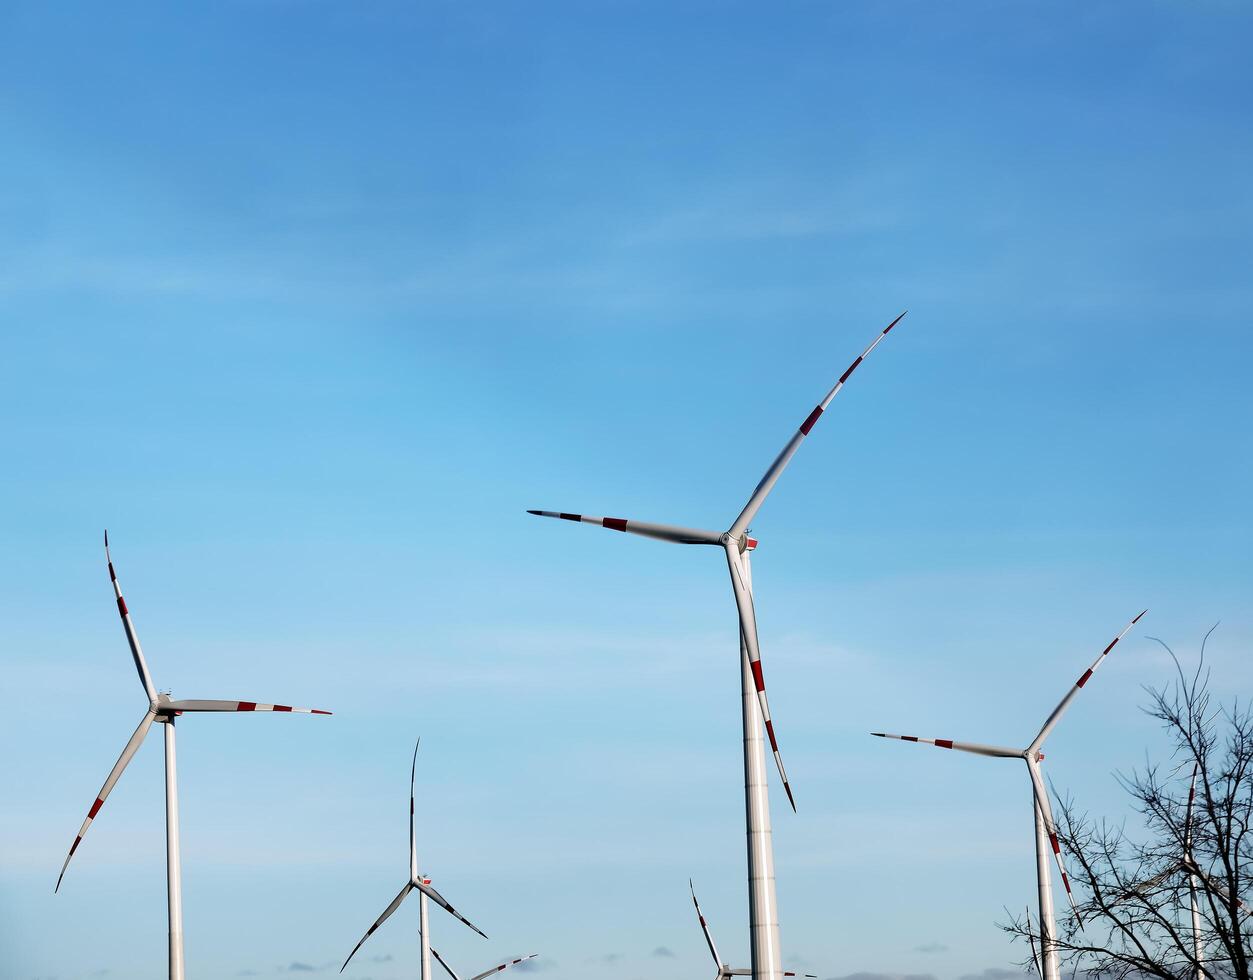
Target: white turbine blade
(748, 632)
(776, 468)
(413, 840)
(409, 886)
(1035, 956)
(1078, 686)
(737, 972)
(1193, 868)
(1046, 811)
(947, 743)
(504, 966)
(1198, 943)
(1187, 820)
(439, 900)
(790, 973)
(131, 636)
(704, 927)
(1141, 889)
(663, 532)
(123, 761)
(451, 972)
(178, 707)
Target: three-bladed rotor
(1032, 754)
(416, 882)
(486, 973)
(735, 542)
(723, 970)
(160, 708)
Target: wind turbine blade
(1142, 889)
(439, 900)
(790, 973)
(451, 972)
(1078, 686)
(1046, 811)
(173, 707)
(748, 632)
(776, 468)
(413, 840)
(663, 532)
(123, 761)
(1193, 868)
(409, 886)
(503, 966)
(1187, 820)
(137, 654)
(704, 927)
(1035, 956)
(1198, 943)
(947, 743)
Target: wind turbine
(420, 883)
(1187, 865)
(724, 971)
(735, 542)
(1045, 827)
(161, 710)
(486, 973)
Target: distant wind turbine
(1045, 828)
(486, 973)
(736, 544)
(725, 971)
(1187, 865)
(420, 883)
(161, 710)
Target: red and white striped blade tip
(115, 774)
(939, 743)
(196, 705)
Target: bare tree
(1168, 900)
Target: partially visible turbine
(1187, 865)
(418, 882)
(486, 973)
(162, 711)
(736, 544)
(1045, 827)
(723, 969)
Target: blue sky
(308, 302)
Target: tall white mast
(173, 867)
(424, 927)
(1048, 927)
(763, 910)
